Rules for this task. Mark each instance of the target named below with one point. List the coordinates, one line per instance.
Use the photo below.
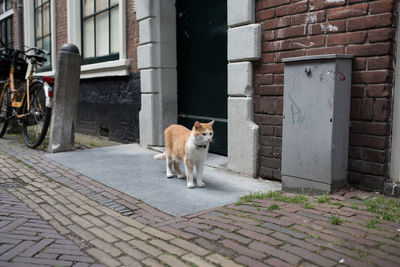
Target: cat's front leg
(199, 172)
(189, 173)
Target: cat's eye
(204, 134)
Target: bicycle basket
(20, 69)
(5, 64)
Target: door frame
(157, 62)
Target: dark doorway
(202, 66)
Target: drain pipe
(20, 25)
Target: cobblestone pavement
(53, 216)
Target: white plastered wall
(157, 65)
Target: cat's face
(203, 132)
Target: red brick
(357, 91)
(242, 250)
(270, 141)
(377, 76)
(272, 68)
(268, 35)
(277, 262)
(367, 22)
(376, 63)
(267, 119)
(279, 253)
(290, 9)
(279, 105)
(278, 79)
(369, 49)
(265, 14)
(307, 42)
(348, 11)
(347, 38)
(355, 108)
(277, 132)
(273, 3)
(320, 4)
(367, 109)
(287, 54)
(311, 256)
(267, 105)
(359, 63)
(276, 46)
(325, 50)
(295, 31)
(266, 151)
(274, 90)
(259, 5)
(381, 110)
(381, 6)
(308, 18)
(366, 167)
(246, 261)
(380, 35)
(373, 155)
(267, 58)
(376, 142)
(263, 79)
(270, 163)
(276, 23)
(378, 90)
(327, 27)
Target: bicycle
(24, 96)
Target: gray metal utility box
(316, 114)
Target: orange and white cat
(191, 147)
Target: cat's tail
(160, 156)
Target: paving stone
(145, 247)
(106, 247)
(190, 246)
(220, 260)
(153, 263)
(167, 247)
(157, 233)
(242, 249)
(102, 257)
(198, 261)
(250, 262)
(172, 261)
(311, 256)
(136, 233)
(127, 249)
(284, 230)
(128, 261)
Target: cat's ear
(197, 125)
(211, 123)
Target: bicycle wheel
(36, 123)
(5, 111)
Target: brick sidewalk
(114, 229)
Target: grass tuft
(385, 208)
(335, 220)
(274, 207)
(324, 198)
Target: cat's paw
(181, 176)
(201, 184)
(170, 176)
(191, 185)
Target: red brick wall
(132, 36)
(364, 29)
(61, 24)
(15, 24)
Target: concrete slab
(132, 170)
